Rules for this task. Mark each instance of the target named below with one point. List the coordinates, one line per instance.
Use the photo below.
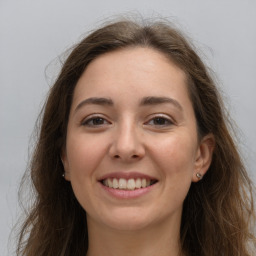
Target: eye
(160, 121)
(95, 121)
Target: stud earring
(199, 176)
(63, 175)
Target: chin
(128, 225)
(128, 220)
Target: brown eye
(160, 121)
(95, 121)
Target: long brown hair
(218, 211)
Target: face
(132, 148)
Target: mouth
(128, 184)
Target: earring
(199, 176)
(63, 175)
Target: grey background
(34, 33)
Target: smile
(128, 184)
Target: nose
(127, 144)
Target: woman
(135, 156)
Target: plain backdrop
(34, 33)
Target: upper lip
(126, 175)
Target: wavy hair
(218, 212)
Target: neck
(150, 241)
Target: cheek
(84, 155)
(176, 155)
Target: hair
(218, 212)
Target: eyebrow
(160, 100)
(95, 101)
(151, 100)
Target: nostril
(133, 156)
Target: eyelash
(98, 121)
(167, 121)
(87, 121)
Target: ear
(65, 163)
(203, 157)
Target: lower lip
(127, 194)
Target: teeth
(115, 183)
(143, 183)
(130, 184)
(138, 183)
(122, 184)
(110, 183)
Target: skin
(157, 139)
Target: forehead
(135, 72)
